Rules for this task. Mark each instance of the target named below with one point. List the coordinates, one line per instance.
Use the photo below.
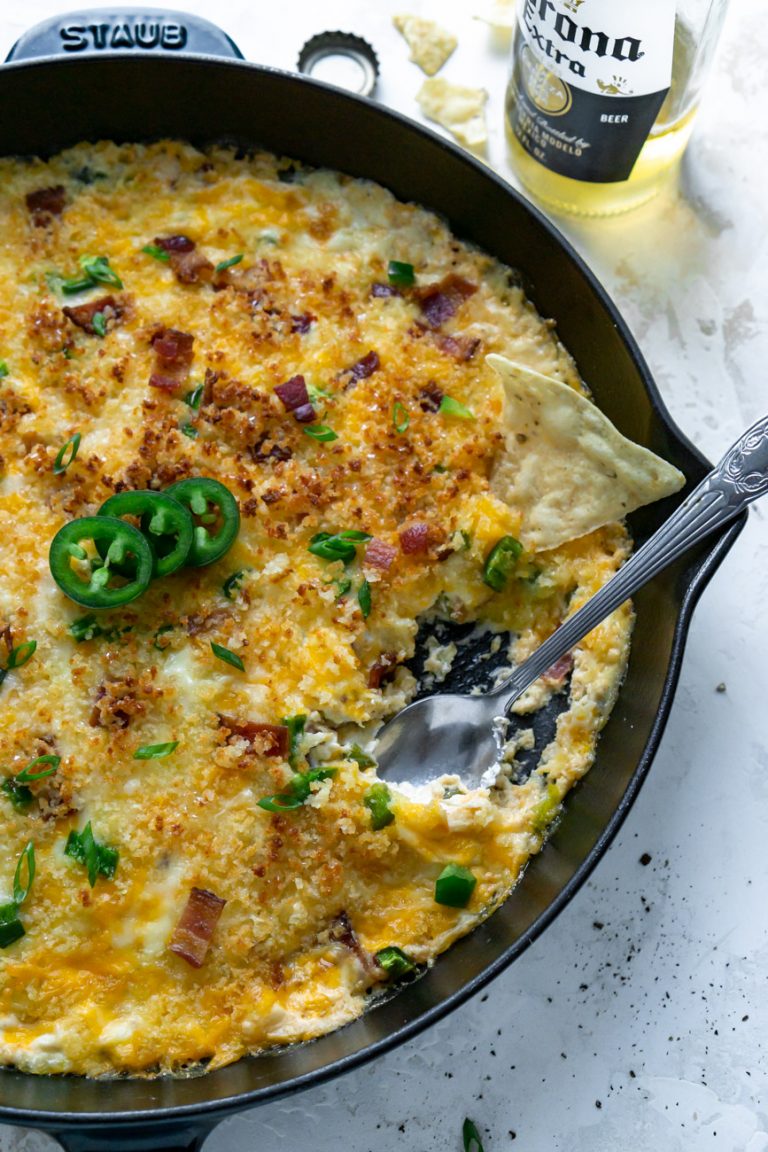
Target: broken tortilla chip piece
(566, 468)
(430, 44)
(458, 109)
(500, 14)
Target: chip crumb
(430, 44)
(721, 687)
(461, 110)
(499, 14)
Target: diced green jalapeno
(394, 962)
(501, 561)
(377, 800)
(454, 886)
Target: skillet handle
(181, 1138)
(139, 31)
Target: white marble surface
(638, 1022)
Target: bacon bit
(305, 414)
(45, 203)
(303, 323)
(440, 301)
(461, 348)
(365, 367)
(173, 348)
(380, 555)
(6, 635)
(174, 243)
(111, 309)
(192, 935)
(416, 539)
(164, 383)
(560, 669)
(383, 290)
(191, 267)
(275, 452)
(383, 670)
(265, 739)
(342, 932)
(201, 622)
(293, 393)
(115, 705)
(430, 397)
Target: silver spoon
(465, 734)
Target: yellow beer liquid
(657, 162)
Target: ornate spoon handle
(739, 478)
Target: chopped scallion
(26, 862)
(66, 455)
(4, 370)
(501, 561)
(451, 407)
(364, 599)
(155, 751)
(99, 859)
(295, 726)
(222, 653)
(471, 1137)
(27, 776)
(320, 432)
(19, 795)
(99, 324)
(297, 791)
(157, 252)
(21, 654)
(341, 546)
(163, 630)
(362, 759)
(189, 430)
(224, 264)
(233, 583)
(194, 397)
(400, 417)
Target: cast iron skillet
(66, 83)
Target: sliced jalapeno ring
(215, 514)
(96, 581)
(166, 524)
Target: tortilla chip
(430, 44)
(566, 468)
(458, 109)
(500, 14)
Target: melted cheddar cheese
(93, 987)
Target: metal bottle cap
(341, 58)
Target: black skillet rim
(218, 1109)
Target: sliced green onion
(11, 928)
(501, 561)
(400, 417)
(155, 751)
(394, 962)
(364, 599)
(233, 583)
(320, 432)
(157, 252)
(99, 859)
(21, 654)
(315, 394)
(99, 271)
(471, 1137)
(194, 397)
(19, 795)
(99, 324)
(298, 790)
(26, 861)
(377, 800)
(546, 810)
(189, 430)
(66, 455)
(295, 726)
(342, 587)
(362, 759)
(162, 630)
(340, 546)
(451, 407)
(4, 370)
(222, 653)
(454, 886)
(86, 628)
(224, 264)
(27, 776)
(400, 274)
